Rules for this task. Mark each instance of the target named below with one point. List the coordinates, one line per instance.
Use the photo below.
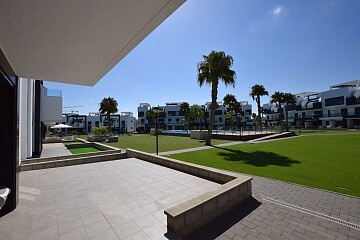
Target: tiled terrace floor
(125, 200)
(122, 199)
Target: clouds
(277, 11)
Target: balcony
(352, 101)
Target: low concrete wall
(188, 216)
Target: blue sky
(289, 46)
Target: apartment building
(337, 107)
(174, 118)
(124, 122)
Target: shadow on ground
(226, 221)
(257, 158)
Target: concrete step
(106, 156)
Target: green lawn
(83, 150)
(330, 162)
(146, 142)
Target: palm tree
(256, 92)
(216, 66)
(185, 109)
(278, 99)
(289, 99)
(108, 105)
(231, 102)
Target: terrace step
(78, 159)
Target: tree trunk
(259, 111)
(287, 117)
(109, 124)
(214, 88)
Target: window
(357, 111)
(142, 121)
(171, 113)
(97, 123)
(177, 120)
(334, 101)
(218, 112)
(141, 114)
(169, 120)
(248, 112)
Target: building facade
(124, 122)
(338, 107)
(174, 118)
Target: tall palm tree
(256, 92)
(108, 105)
(230, 102)
(289, 99)
(278, 99)
(185, 109)
(216, 66)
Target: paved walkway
(54, 149)
(200, 148)
(282, 210)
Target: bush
(99, 131)
(74, 132)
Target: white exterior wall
(51, 108)
(26, 116)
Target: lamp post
(156, 111)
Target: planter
(199, 135)
(113, 139)
(96, 138)
(152, 131)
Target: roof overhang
(75, 41)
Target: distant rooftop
(354, 83)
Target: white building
(120, 123)
(174, 118)
(337, 107)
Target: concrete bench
(4, 193)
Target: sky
(289, 46)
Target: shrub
(99, 131)
(73, 132)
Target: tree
(278, 99)
(216, 66)
(185, 109)
(289, 99)
(151, 115)
(196, 112)
(108, 105)
(256, 92)
(238, 111)
(230, 102)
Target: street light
(239, 119)
(156, 110)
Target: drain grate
(320, 215)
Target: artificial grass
(146, 142)
(328, 162)
(83, 150)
